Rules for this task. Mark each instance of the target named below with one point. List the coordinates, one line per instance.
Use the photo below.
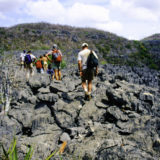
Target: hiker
(39, 64)
(22, 56)
(50, 71)
(29, 58)
(86, 73)
(45, 62)
(56, 61)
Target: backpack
(92, 61)
(56, 56)
(28, 59)
(39, 64)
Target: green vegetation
(103, 62)
(128, 46)
(143, 56)
(11, 154)
(63, 64)
(41, 36)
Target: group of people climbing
(51, 62)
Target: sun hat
(84, 45)
(54, 46)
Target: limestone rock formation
(121, 121)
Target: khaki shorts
(22, 63)
(45, 65)
(29, 66)
(87, 74)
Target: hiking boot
(86, 96)
(89, 97)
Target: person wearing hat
(56, 61)
(86, 73)
(29, 59)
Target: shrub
(103, 62)
(63, 64)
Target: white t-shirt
(83, 55)
(22, 56)
(32, 57)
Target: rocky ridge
(122, 120)
(111, 48)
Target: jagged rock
(50, 97)
(125, 127)
(147, 97)
(44, 90)
(115, 114)
(38, 81)
(66, 114)
(156, 145)
(23, 115)
(58, 87)
(90, 112)
(101, 105)
(65, 137)
(121, 121)
(32, 99)
(116, 97)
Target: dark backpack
(28, 59)
(56, 56)
(92, 61)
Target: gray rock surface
(121, 121)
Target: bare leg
(59, 74)
(56, 74)
(84, 85)
(27, 73)
(90, 86)
(89, 89)
(53, 77)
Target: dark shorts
(87, 75)
(56, 65)
(39, 70)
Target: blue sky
(132, 19)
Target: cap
(54, 46)
(29, 52)
(84, 45)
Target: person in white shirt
(86, 73)
(22, 56)
(29, 59)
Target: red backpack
(56, 56)
(39, 64)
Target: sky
(132, 19)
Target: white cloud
(78, 14)
(87, 15)
(49, 10)
(7, 6)
(112, 26)
(132, 19)
(132, 10)
(2, 16)
(144, 14)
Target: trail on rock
(122, 120)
